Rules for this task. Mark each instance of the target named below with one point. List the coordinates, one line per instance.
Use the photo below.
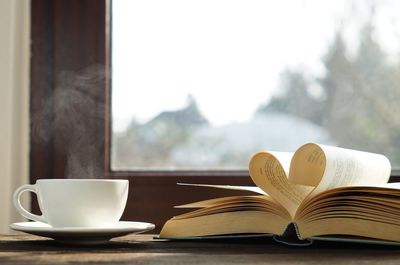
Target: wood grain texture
(143, 249)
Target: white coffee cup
(76, 202)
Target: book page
(327, 167)
(226, 187)
(268, 173)
(369, 211)
(393, 185)
(265, 199)
(238, 222)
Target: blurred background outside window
(201, 85)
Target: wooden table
(143, 249)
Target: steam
(76, 112)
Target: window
(201, 85)
(71, 101)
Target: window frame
(66, 35)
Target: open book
(319, 192)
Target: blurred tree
(362, 95)
(359, 102)
(294, 97)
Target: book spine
(291, 237)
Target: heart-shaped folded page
(270, 175)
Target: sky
(228, 54)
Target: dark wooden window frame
(67, 37)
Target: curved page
(269, 170)
(327, 167)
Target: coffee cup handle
(22, 211)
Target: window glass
(201, 85)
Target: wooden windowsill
(143, 249)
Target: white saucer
(82, 235)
